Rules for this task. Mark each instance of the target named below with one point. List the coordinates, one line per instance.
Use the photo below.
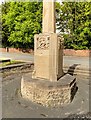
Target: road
(84, 62)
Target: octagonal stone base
(49, 93)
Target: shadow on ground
(72, 69)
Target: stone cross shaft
(49, 16)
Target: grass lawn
(11, 62)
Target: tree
(21, 21)
(75, 24)
(5, 31)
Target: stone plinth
(48, 56)
(47, 93)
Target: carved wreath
(43, 42)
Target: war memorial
(48, 85)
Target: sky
(1, 1)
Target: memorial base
(47, 93)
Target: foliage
(75, 24)
(21, 20)
(5, 31)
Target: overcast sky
(1, 1)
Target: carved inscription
(43, 42)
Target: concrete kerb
(78, 70)
(15, 66)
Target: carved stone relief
(43, 42)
